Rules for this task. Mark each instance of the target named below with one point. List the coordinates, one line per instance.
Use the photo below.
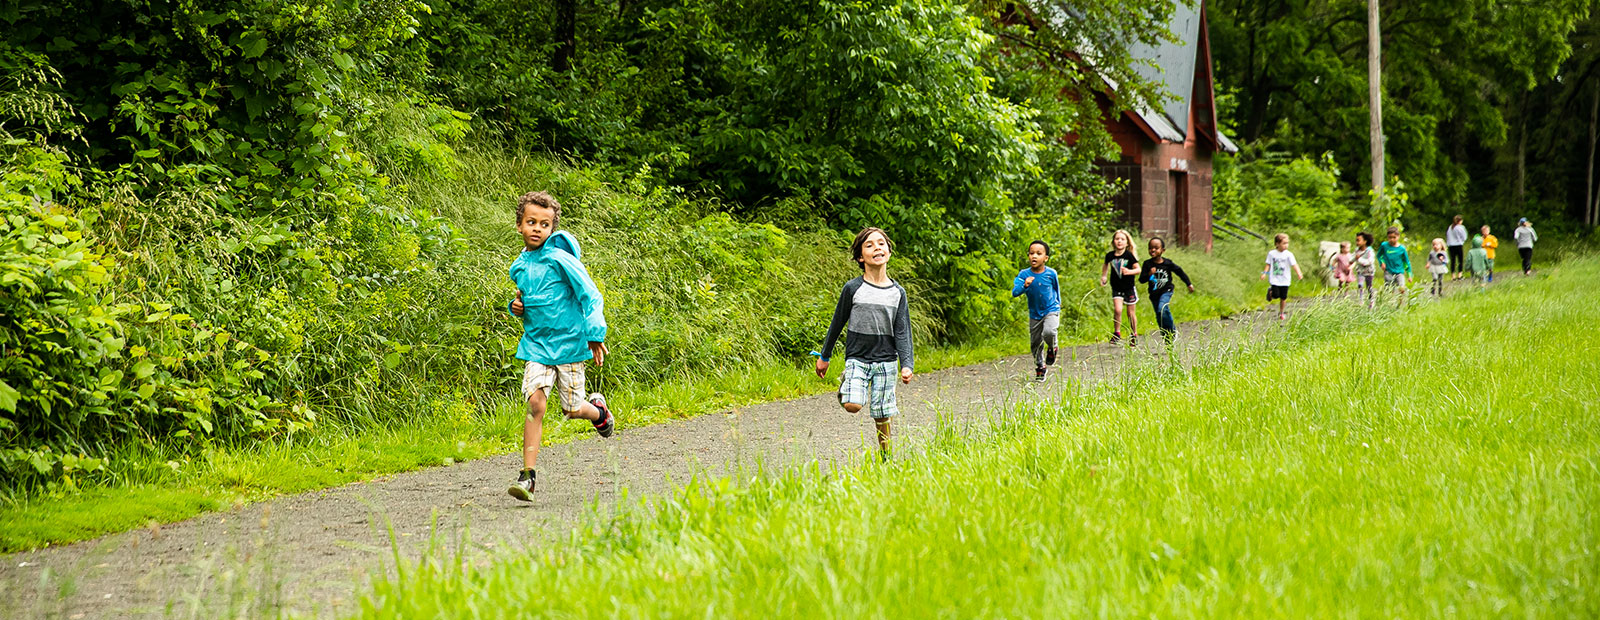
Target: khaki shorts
(566, 378)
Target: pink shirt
(1341, 267)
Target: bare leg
(852, 408)
(1116, 315)
(883, 433)
(533, 429)
(1133, 319)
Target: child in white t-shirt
(1279, 262)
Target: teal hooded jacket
(562, 310)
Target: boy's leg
(853, 386)
(1052, 325)
(570, 384)
(533, 429)
(881, 388)
(1036, 343)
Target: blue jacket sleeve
(589, 301)
(1017, 286)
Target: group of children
(563, 315)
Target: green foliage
(1458, 79)
(1274, 190)
(79, 369)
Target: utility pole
(1375, 94)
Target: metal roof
(1171, 66)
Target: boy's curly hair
(539, 199)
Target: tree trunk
(1375, 94)
(1522, 157)
(1588, 184)
(566, 34)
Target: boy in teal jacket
(563, 326)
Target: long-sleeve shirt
(1366, 260)
(1044, 294)
(1490, 242)
(1159, 275)
(1394, 258)
(1525, 236)
(1455, 235)
(879, 320)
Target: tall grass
(1433, 462)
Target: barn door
(1178, 188)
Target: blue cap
(1522, 221)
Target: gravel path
(315, 552)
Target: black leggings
(1458, 258)
(1527, 259)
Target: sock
(526, 474)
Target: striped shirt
(880, 323)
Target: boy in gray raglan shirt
(879, 336)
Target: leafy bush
(1275, 190)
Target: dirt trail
(315, 552)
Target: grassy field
(1439, 462)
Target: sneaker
(1282, 316)
(1050, 358)
(1116, 337)
(1133, 341)
(606, 423)
(1038, 374)
(523, 488)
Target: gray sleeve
(902, 331)
(841, 314)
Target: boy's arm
(1181, 275)
(589, 300)
(1055, 282)
(1019, 285)
(841, 313)
(1104, 270)
(1144, 273)
(902, 335)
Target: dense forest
(241, 219)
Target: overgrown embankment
(1310, 471)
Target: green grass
(1438, 461)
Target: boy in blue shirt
(1044, 306)
(563, 326)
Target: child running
(1120, 270)
(1279, 262)
(1490, 242)
(1478, 261)
(1044, 306)
(1365, 267)
(1396, 263)
(1438, 266)
(1158, 272)
(879, 336)
(563, 325)
(1342, 271)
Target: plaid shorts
(567, 378)
(871, 385)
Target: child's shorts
(1277, 291)
(566, 378)
(1394, 279)
(1129, 296)
(871, 385)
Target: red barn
(1166, 153)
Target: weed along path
(313, 552)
